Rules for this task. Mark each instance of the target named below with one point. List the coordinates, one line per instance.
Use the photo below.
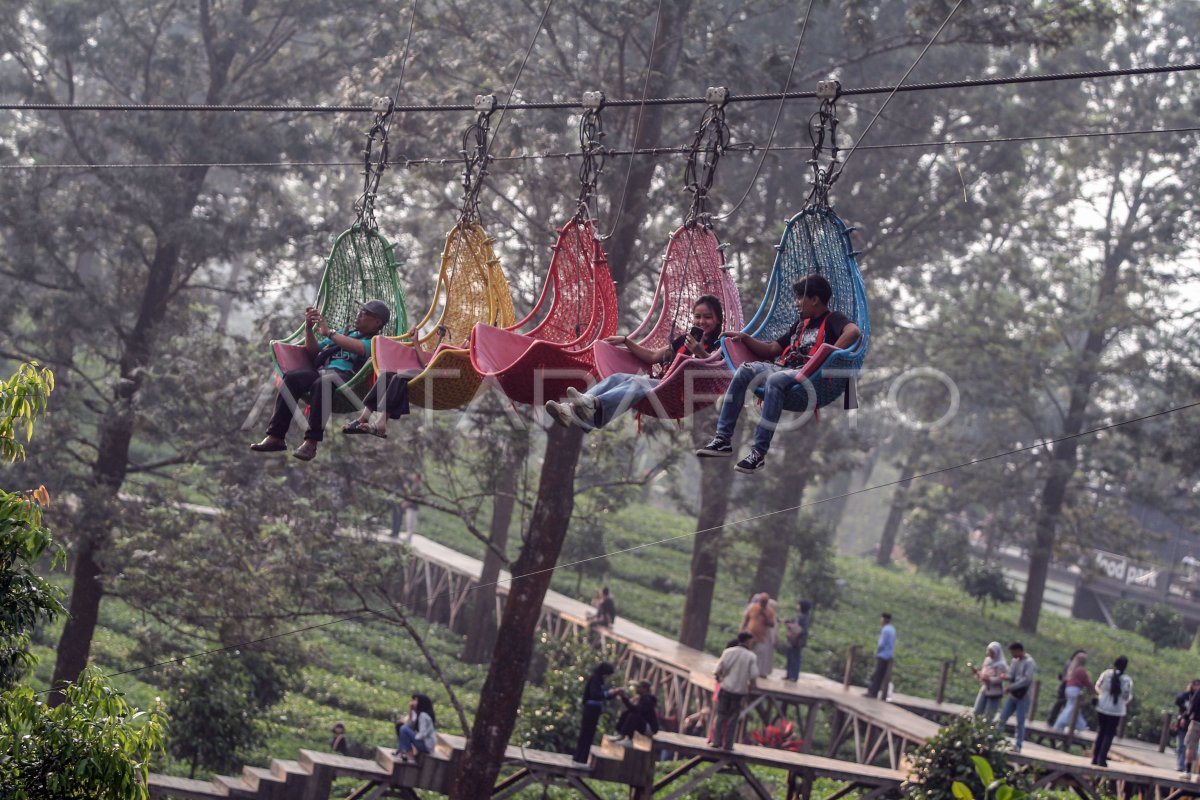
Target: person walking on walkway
(1077, 682)
(1115, 690)
(1179, 725)
(735, 671)
(885, 651)
(1060, 696)
(991, 675)
(759, 621)
(797, 638)
(1020, 681)
(595, 694)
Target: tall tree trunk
(665, 53)
(783, 489)
(706, 547)
(481, 622)
(112, 458)
(891, 527)
(1064, 456)
(501, 694)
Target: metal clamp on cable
(716, 96)
(593, 101)
(485, 103)
(829, 90)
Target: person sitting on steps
(416, 732)
(781, 362)
(618, 393)
(336, 357)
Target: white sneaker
(561, 413)
(584, 402)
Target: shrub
(985, 581)
(1163, 626)
(946, 758)
(1127, 614)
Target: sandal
(358, 426)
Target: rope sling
(470, 289)
(693, 265)
(815, 242)
(361, 266)
(556, 352)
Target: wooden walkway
(438, 581)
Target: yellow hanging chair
(471, 288)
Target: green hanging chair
(361, 266)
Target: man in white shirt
(735, 672)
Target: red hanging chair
(556, 353)
(694, 265)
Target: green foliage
(935, 545)
(985, 582)
(1164, 626)
(214, 719)
(92, 747)
(550, 708)
(949, 758)
(993, 787)
(1127, 614)
(22, 398)
(25, 597)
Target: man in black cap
(336, 357)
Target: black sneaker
(753, 462)
(719, 447)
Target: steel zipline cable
(361, 614)
(746, 147)
(1011, 80)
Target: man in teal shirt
(336, 357)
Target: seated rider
(391, 391)
(782, 361)
(336, 357)
(618, 393)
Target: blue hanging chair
(815, 242)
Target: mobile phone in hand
(697, 332)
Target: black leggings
(1106, 729)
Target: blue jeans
(986, 707)
(794, 655)
(617, 394)
(1181, 748)
(775, 381)
(1064, 719)
(1021, 706)
(406, 740)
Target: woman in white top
(1115, 690)
(417, 735)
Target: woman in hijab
(991, 675)
(1115, 690)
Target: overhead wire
(747, 147)
(1011, 80)
(838, 173)
(1044, 443)
(766, 150)
(637, 126)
